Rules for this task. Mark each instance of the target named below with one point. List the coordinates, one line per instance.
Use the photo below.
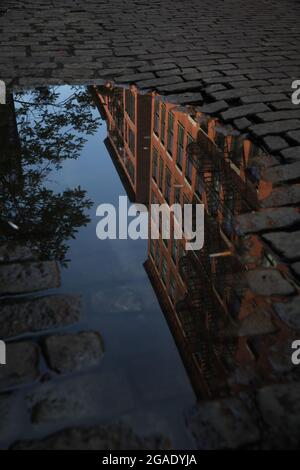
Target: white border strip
(2, 92)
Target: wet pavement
(97, 349)
(228, 54)
(186, 349)
(237, 60)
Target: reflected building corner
(227, 332)
(128, 117)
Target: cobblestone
(292, 154)
(185, 98)
(242, 111)
(73, 352)
(279, 115)
(214, 107)
(289, 312)
(111, 437)
(11, 252)
(273, 402)
(27, 277)
(268, 282)
(258, 323)
(261, 98)
(275, 127)
(10, 414)
(159, 82)
(33, 315)
(296, 268)
(275, 143)
(288, 244)
(286, 195)
(294, 135)
(281, 174)
(22, 366)
(268, 219)
(80, 397)
(224, 424)
(254, 63)
(242, 123)
(254, 57)
(178, 87)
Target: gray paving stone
(283, 196)
(268, 282)
(275, 143)
(296, 268)
(184, 98)
(110, 437)
(295, 135)
(213, 88)
(168, 73)
(73, 352)
(242, 123)
(280, 408)
(159, 82)
(186, 70)
(276, 127)
(241, 79)
(261, 98)
(275, 88)
(268, 219)
(35, 315)
(286, 243)
(172, 88)
(292, 154)
(251, 83)
(263, 162)
(282, 173)
(22, 364)
(256, 323)
(242, 111)
(10, 411)
(289, 312)
(279, 115)
(200, 75)
(232, 94)
(134, 77)
(214, 107)
(223, 424)
(19, 278)
(154, 68)
(242, 67)
(279, 356)
(287, 104)
(10, 252)
(82, 397)
(114, 72)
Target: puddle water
(170, 319)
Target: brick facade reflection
(222, 329)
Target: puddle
(177, 326)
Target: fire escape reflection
(202, 293)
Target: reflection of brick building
(128, 116)
(222, 328)
(204, 294)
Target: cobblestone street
(231, 54)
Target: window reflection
(203, 293)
